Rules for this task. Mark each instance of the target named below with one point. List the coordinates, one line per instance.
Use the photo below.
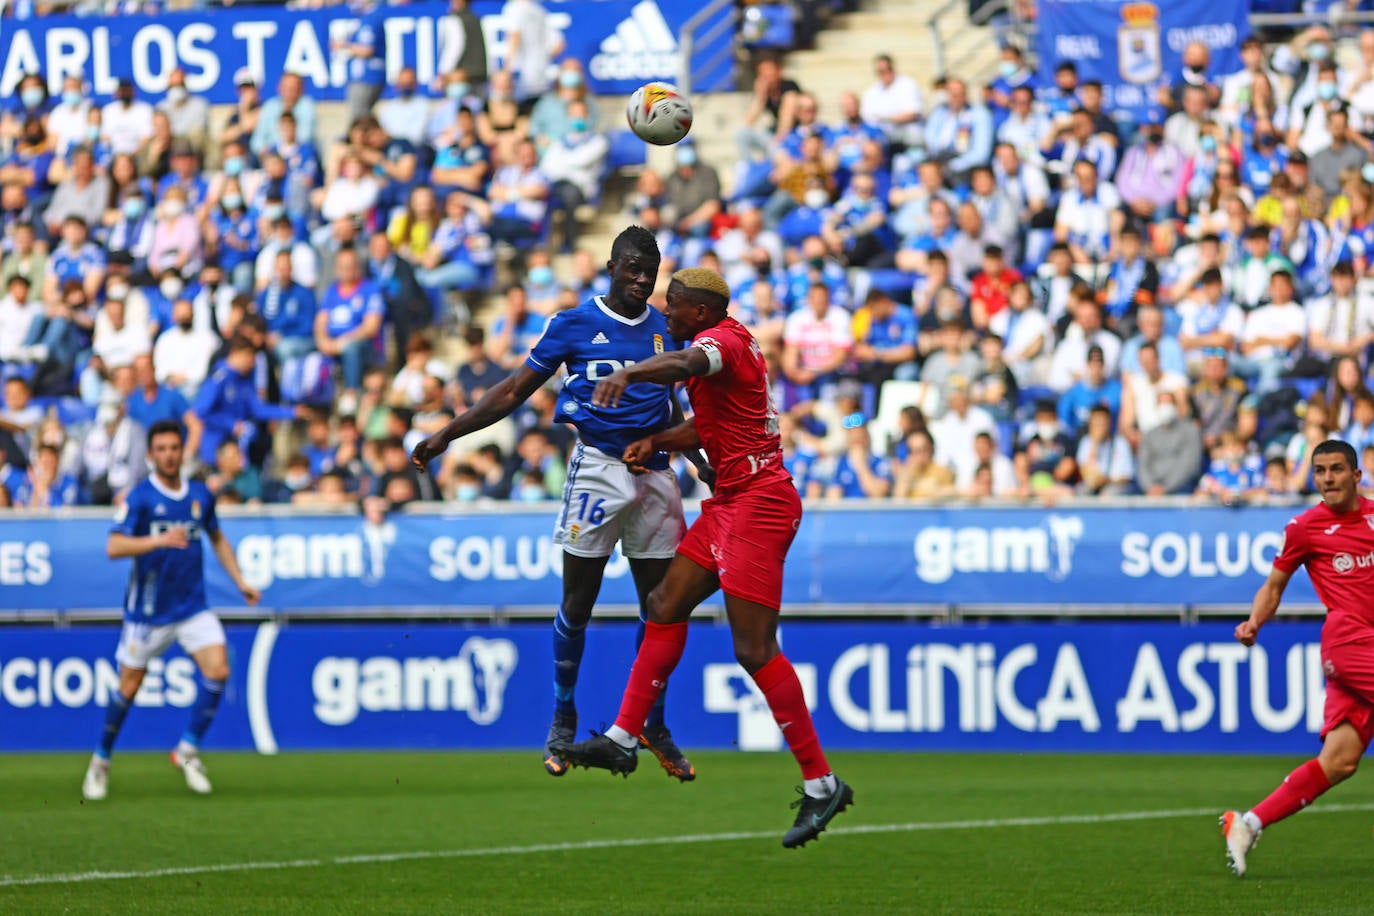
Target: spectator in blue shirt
(1233, 473)
(859, 474)
(146, 402)
(76, 258)
(884, 339)
(366, 51)
(289, 309)
(234, 237)
(1092, 389)
(959, 133)
(228, 404)
(348, 324)
(42, 485)
(1150, 324)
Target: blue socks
(114, 721)
(568, 643)
(655, 719)
(203, 712)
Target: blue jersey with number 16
(166, 585)
(593, 341)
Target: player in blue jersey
(159, 527)
(603, 502)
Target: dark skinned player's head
(633, 266)
(697, 299)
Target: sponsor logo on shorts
(573, 533)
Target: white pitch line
(372, 858)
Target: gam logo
(1048, 549)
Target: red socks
(1300, 789)
(782, 690)
(658, 655)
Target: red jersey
(994, 290)
(734, 411)
(1338, 551)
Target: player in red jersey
(737, 545)
(1335, 541)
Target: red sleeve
(722, 348)
(1293, 552)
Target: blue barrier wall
(844, 557)
(1088, 687)
(622, 42)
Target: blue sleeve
(909, 335)
(374, 304)
(127, 516)
(306, 316)
(1066, 412)
(206, 401)
(211, 521)
(553, 348)
(264, 412)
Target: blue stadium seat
(1306, 386)
(626, 151)
(895, 283)
(73, 412)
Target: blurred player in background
(1335, 541)
(738, 545)
(602, 502)
(159, 527)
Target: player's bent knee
(753, 656)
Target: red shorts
(744, 537)
(1350, 687)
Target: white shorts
(604, 503)
(139, 643)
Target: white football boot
(1240, 839)
(96, 785)
(187, 759)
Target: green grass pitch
(483, 833)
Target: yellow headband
(703, 279)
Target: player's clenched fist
(610, 390)
(427, 450)
(1246, 632)
(637, 454)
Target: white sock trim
(1252, 821)
(621, 737)
(821, 787)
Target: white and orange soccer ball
(659, 114)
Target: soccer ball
(659, 114)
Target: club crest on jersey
(195, 509)
(658, 348)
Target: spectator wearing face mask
(573, 162)
(189, 114)
(405, 115)
(182, 354)
(127, 122)
(553, 114)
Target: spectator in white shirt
(988, 473)
(893, 103)
(406, 115)
(1140, 393)
(305, 268)
(955, 431)
(1071, 354)
(531, 44)
(67, 122)
(116, 342)
(183, 352)
(1106, 464)
(126, 123)
(1089, 216)
(17, 312)
(1272, 335)
(1209, 320)
(574, 163)
(1340, 323)
(350, 196)
(1027, 338)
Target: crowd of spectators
(1008, 291)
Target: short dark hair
(634, 240)
(1343, 269)
(1210, 275)
(1337, 447)
(162, 427)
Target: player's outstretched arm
(122, 546)
(663, 369)
(1264, 606)
(224, 552)
(499, 402)
(705, 473)
(681, 438)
